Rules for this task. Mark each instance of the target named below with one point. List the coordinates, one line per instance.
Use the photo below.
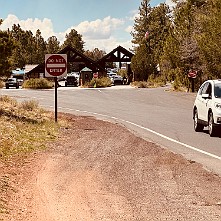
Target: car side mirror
(206, 96)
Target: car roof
(217, 81)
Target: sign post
(56, 66)
(192, 75)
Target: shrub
(29, 105)
(38, 83)
(1, 84)
(157, 81)
(99, 82)
(140, 84)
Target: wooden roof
(119, 54)
(73, 55)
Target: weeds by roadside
(99, 82)
(24, 127)
(38, 83)
(1, 84)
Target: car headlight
(218, 106)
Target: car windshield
(217, 90)
(11, 80)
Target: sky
(103, 24)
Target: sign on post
(56, 66)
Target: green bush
(38, 83)
(99, 82)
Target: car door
(201, 102)
(207, 90)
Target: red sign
(95, 75)
(55, 65)
(192, 74)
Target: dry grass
(2, 84)
(23, 127)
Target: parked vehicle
(71, 80)
(117, 79)
(12, 82)
(207, 107)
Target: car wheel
(197, 126)
(211, 126)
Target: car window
(209, 89)
(11, 80)
(203, 88)
(217, 90)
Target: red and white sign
(55, 65)
(192, 74)
(95, 75)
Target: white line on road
(147, 129)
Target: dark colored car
(71, 81)
(12, 82)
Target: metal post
(56, 98)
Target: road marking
(147, 129)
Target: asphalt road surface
(158, 115)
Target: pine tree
(53, 45)
(74, 40)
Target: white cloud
(170, 3)
(129, 29)
(96, 34)
(99, 29)
(107, 44)
(45, 25)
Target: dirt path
(91, 173)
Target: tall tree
(20, 41)
(53, 45)
(141, 64)
(41, 49)
(141, 23)
(210, 39)
(6, 48)
(74, 40)
(151, 29)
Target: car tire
(211, 126)
(198, 127)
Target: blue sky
(104, 24)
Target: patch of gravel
(98, 170)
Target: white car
(207, 107)
(117, 79)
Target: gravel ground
(100, 171)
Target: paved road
(155, 114)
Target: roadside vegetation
(2, 84)
(99, 82)
(38, 83)
(24, 127)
